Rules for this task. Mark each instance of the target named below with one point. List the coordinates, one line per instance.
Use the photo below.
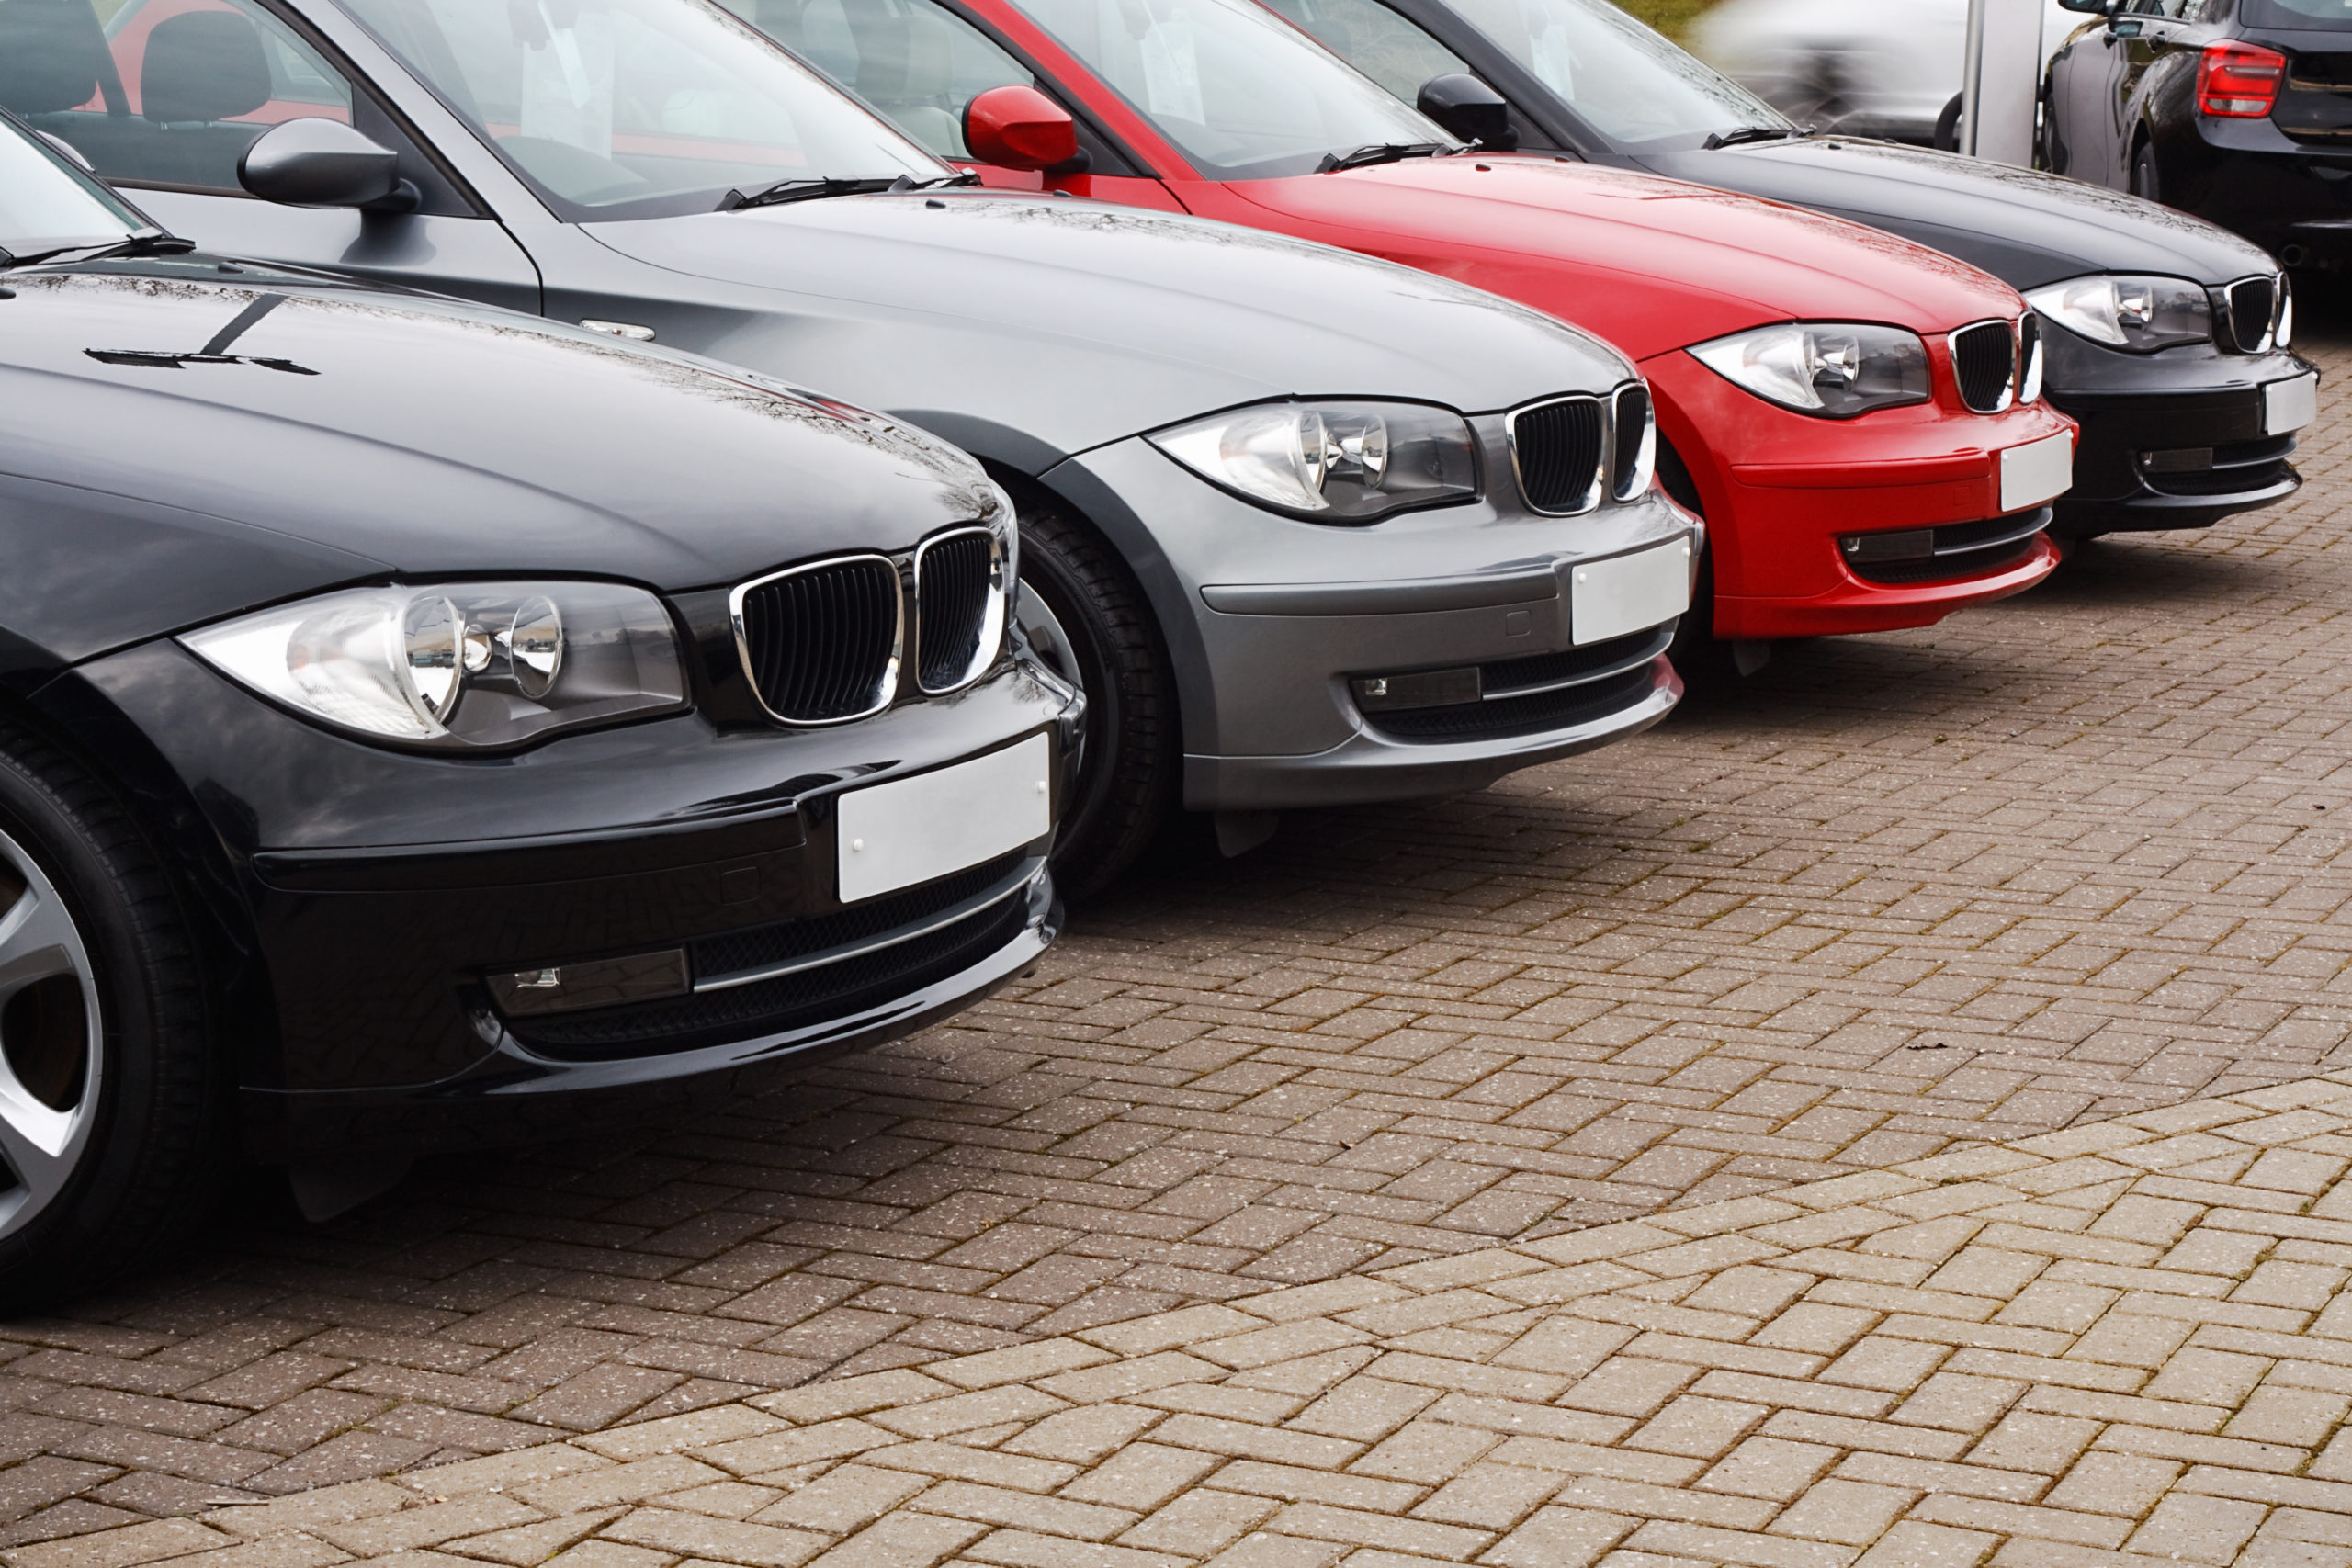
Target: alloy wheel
(50, 1038)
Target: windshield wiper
(1754, 133)
(1380, 152)
(817, 189)
(154, 244)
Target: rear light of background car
(2239, 81)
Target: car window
(1623, 79)
(1375, 40)
(1241, 91)
(46, 206)
(2297, 13)
(164, 92)
(918, 62)
(636, 109)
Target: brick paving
(2065, 859)
(2122, 1344)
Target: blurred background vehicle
(2239, 112)
(1888, 68)
(2169, 334)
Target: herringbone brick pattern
(2073, 856)
(2119, 1346)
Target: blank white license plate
(2038, 472)
(2288, 406)
(910, 831)
(1628, 593)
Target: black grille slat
(1558, 448)
(954, 579)
(818, 644)
(1633, 424)
(1983, 359)
(2252, 301)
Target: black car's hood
(340, 432)
(2024, 227)
(1086, 323)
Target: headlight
(2139, 315)
(456, 666)
(1834, 371)
(1332, 462)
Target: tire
(1086, 617)
(1947, 136)
(1704, 663)
(2144, 183)
(111, 1125)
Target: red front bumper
(1779, 488)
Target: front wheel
(109, 1103)
(1085, 616)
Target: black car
(2237, 110)
(2175, 353)
(422, 726)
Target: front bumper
(1785, 496)
(1273, 624)
(2169, 440)
(387, 894)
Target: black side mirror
(2087, 8)
(1470, 109)
(324, 162)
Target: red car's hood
(1649, 263)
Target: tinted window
(918, 62)
(629, 108)
(1241, 91)
(1376, 40)
(168, 92)
(2298, 12)
(1620, 77)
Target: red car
(1859, 419)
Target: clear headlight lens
(2139, 315)
(1828, 370)
(1332, 462)
(456, 666)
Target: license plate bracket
(1627, 593)
(914, 830)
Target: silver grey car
(1306, 528)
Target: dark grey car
(1274, 519)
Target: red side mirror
(1018, 127)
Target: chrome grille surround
(1984, 365)
(960, 593)
(788, 612)
(1558, 453)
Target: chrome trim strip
(887, 689)
(991, 626)
(1600, 482)
(1029, 872)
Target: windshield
(2298, 14)
(1240, 92)
(46, 206)
(1621, 78)
(638, 108)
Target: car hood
(1080, 323)
(364, 431)
(1653, 263)
(2025, 227)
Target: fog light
(596, 983)
(1911, 543)
(1428, 689)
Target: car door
(2146, 31)
(2084, 78)
(163, 96)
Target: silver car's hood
(1078, 323)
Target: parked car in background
(1262, 483)
(1859, 420)
(2167, 338)
(1882, 68)
(427, 727)
(2237, 110)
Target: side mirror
(1019, 127)
(1470, 109)
(2087, 8)
(324, 162)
